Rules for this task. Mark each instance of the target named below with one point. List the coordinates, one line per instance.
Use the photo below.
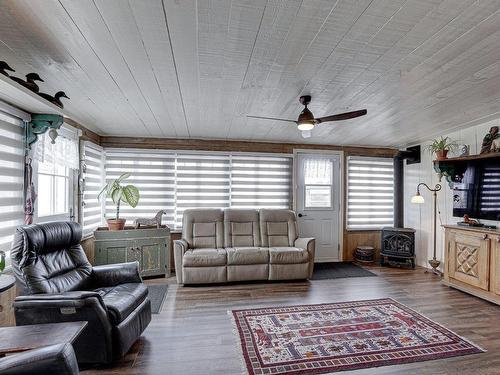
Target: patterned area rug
(317, 339)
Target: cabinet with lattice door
(472, 261)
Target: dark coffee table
(22, 338)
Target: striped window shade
(261, 181)
(489, 193)
(93, 181)
(202, 181)
(370, 192)
(11, 179)
(153, 173)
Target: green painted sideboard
(150, 247)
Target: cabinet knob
(485, 236)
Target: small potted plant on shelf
(441, 147)
(120, 193)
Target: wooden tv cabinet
(472, 261)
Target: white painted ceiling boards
(185, 68)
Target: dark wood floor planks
(193, 333)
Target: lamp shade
(417, 199)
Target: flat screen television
(478, 193)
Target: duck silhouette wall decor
(56, 99)
(3, 67)
(30, 81)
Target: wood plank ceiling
(153, 68)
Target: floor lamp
(418, 199)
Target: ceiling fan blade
(342, 116)
(272, 118)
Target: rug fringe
(244, 370)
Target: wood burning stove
(398, 246)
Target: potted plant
(441, 147)
(120, 193)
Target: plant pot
(442, 154)
(116, 224)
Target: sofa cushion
(122, 299)
(241, 228)
(204, 258)
(287, 255)
(203, 228)
(278, 228)
(247, 255)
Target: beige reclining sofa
(220, 246)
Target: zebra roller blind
(370, 192)
(11, 179)
(176, 181)
(93, 181)
(153, 173)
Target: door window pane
(318, 197)
(318, 172)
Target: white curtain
(318, 171)
(63, 152)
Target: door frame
(340, 154)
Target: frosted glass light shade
(417, 199)
(305, 126)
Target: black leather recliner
(58, 284)
(50, 360)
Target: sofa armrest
(308, 244)
(115, 274)
(180, 247)
(53, 359)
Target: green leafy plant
(442, 144)
(119, 193)
(2, 261)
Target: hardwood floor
(193, 333)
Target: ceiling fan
(306, 120)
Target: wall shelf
(20, 97)
(451, 169)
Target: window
(318, 180)
(53, 188)
(11, 178)
(54, 169)
(92, 182)
(153, 172)
(370, 192)
(176, 181)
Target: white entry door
(317, 202)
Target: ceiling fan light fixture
(304, 126)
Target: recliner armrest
(52, 359)
(308, 244)
(59, 300)
(180, 247)
(115, 274)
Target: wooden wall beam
(242, 146)
(87, 135)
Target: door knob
(300, 215)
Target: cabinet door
(134, 254)
(109, 252)
(153, 256)
(495, 267)
(470, 259)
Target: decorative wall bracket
(452, 172)
(39, 124)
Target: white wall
(419, 216)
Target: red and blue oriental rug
(317, 339)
